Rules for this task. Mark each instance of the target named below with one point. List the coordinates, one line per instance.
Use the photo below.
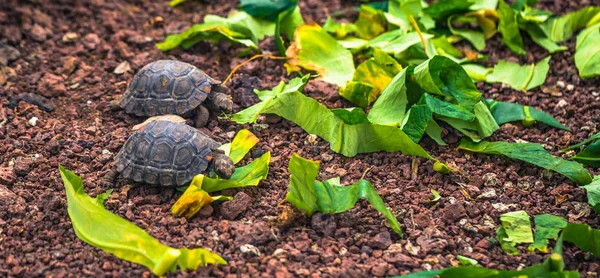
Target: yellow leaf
(192, 200)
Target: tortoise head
(223, 165)
(221, 100)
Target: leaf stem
(236, 68)
(414, 24)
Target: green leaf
(516, 229)
(390, 107)
(248, 175)
(477, 72)
(444, 47)
(241, 144)
(314, 49)
(587, 53)
(442, 9)
(287, 22)
(483, 125)
(560, 29)
(547, 227)
(436, 196)
(550, 268)
(593, 193)
(370, 23)
(401, 10)
(476, 38)
(443, 77)
(584, 236)
(267, 9)
(534, 154)
(505, 112)
(370, 78)
(397, 41)
(509, 28)
(102, 229)
(519, 77)
(467, 261)
(239, 27)
(329, 197)
(303, 175)
(584, 142)
(540, 38)
(347, 139)
(338, 30)
(484, 5)
(590, 156)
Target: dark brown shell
(166, 87)
(165, 153)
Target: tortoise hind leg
(201, 117)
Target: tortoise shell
(166, 87)
(165, 153)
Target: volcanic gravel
(67, 51)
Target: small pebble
(560, 84)
(570, 87)
(33, 121)
(562, 103)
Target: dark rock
(454, 212)
(484, 244)
(7, 176)
(323, 223)
(239, 204)
(22, 166)
(432, 245)
(380, 241)
(51, 85)
(8, 54)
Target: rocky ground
(82, 54)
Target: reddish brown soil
(36, 236)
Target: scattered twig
(414, 23)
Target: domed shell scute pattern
(166, 87)
(165, 153)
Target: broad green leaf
(467, 261)
(303, 175)
(287, 22)
(251, 114)
(399, 12)
(476, 38)
(339, 30)
(534, 154)
(268, 10)
(248, 175)
(192, 200)
(370, 78)
(477, 72)
(483, 125)
(583, 143)
(530, 14)
(351, 116)
(550, 268)
(238, 27)
(444, 47)
(519, 77)
(509, 28)
(484, 5)
(370, 23)
(505, 112)
(102, 229)
(560, 29)
(344, 138)
(516, 229)
(584, 236)
(587, 53)
(590, 156)
(314, 49)
(487, 19)
(443, 77)
(241, 144)
(390, 107)
(593, 193)
(359, 93)
(547, 227)
(397, 41)
(540, 38)
(442, 9)
(329, 197)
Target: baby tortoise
(173, 87)
(169, 153)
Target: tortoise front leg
(201, 117)
(109, 179)
(219, 100)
